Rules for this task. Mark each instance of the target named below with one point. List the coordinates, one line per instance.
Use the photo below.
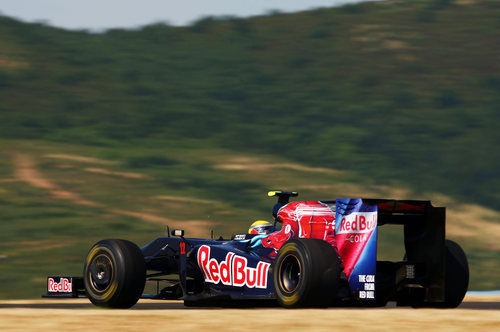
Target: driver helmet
(261, 227)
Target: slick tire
(306, 273)
(114, 274)
(456, 275)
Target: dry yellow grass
(79, 315)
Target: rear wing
(424, 240)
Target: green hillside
(57, 199)
(117, 134)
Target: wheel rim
(101, 272)
(290, 273)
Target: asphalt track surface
(477, 312)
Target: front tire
(306, 273)
(114, 273)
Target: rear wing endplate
(424, 239)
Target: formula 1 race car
(324, 254)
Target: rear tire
(114, 274)
(456, 275)
(306, 273)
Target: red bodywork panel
(311, 219)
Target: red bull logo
(63, 286)
(233, 271)
(358, 222)
(354, 232)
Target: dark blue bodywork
(164, 256)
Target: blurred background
(110, 132)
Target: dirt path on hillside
(25, 170)
(255, 164)
(81, 159)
